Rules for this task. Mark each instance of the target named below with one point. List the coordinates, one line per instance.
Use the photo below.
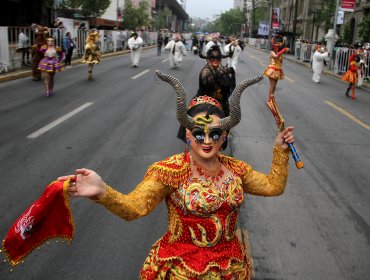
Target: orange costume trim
(200, 242)
(274, 69)
(351, 75)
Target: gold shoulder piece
(172, 171)
(236, 166)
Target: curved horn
(181, 114)
(235, 113)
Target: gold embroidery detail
(205, 190)
(174, 223)
(204, 242)
(230, 235)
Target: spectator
(68, 46)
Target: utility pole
(331, 51)
(295, 21)
(270, 22)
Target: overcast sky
(207, 8)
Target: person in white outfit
(176, 50)
(232, 51)
(214, 41)
(135, 44)
(318, 62)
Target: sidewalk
(292, 58)
(21, 73)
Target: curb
(27, 73)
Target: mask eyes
(215, 134)
(199, 135)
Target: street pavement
(125, 120)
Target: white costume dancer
(318, 63)
(176, 51)
(135, 44)
(233, 51)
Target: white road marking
(140, 74)
(165, 60)
(53, 124)
(290, 80)
(349, 115)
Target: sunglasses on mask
(214, 134)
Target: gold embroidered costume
(200, 242)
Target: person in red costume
(351, 76)
(203, 190)
(274, 71)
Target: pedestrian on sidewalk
(318, 62)
(274, 71)
(50, 64)
(92, 52)
(68, 46)
(351, 76)
(135, 44)
(23, 47)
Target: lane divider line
(347, 114)
(165, 60)
(290, 80)
(140, 74)
(53, 124)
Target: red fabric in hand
(48, 217)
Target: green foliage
(90, 8)
(347, 36)
(364, 29)
(324, 16)
(163, 19)
(136, 17)
(227, 23)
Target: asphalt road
(125, 120)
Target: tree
(136, 17)
(228, 22)
(364, 29)
(89, 8)
(324, 16)
(347, 36)
(162, 21)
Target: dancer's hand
(284, 137)
(86, 183)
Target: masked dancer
(135, 44)
(351, 76)
(176, 51)
(92, 52)
(36, 54)
(318, 62)
(203, 190)
(216, 81)
(274, 71)
(50, 64)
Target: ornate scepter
(280, 122)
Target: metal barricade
(341, 63)
(20, 39)
(306, 52)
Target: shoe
(69, 67)
(353, 97)
(47, 94)
(347, 93)
(51, 92)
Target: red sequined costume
(351, 75)
(200, 242)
